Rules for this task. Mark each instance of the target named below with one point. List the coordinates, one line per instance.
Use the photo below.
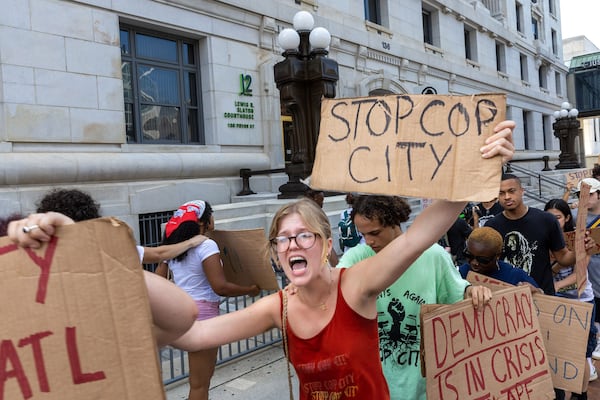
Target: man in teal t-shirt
(431, 279)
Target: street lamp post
(303, 78)
(566, 129)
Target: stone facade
(62, 103)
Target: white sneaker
(593, 374)
(596, 352)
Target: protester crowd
(326, 310)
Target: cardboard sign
(582, 259)
(573, 177)
(495, 353)
(594, 233)
(244, 259)
(565, 325)
(484, 280)
(412, 145)
(76, 320)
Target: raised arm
(427, 228)
(568, 188)
(166, 252)
(396, 257)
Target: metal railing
(545, 159)
(174, 364)
(246, 173)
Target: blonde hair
(489, 236)
(313, 216)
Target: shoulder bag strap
(285, 342)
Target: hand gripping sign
(413, 145)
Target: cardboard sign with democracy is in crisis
(494, 353)
(565, 325)
(76, 320)
(412, 145)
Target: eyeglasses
(304, 240)
(480, 259)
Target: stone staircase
(541, 186)
(256, 211)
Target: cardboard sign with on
(412, 145)
(565, 325)
(76, 321)
(244, 259)
(494, 353)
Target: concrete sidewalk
(261, 375)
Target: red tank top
(341, 361)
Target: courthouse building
(147, 104)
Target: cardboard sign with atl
(76, 320)
(495, 353)
(412, 145)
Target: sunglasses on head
(480, 259)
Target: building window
(552, 7)
(161, 85)
(543, 77)
(431, 34)
(470, 43)
(519, 16)
(547, 131)
(523, 64)
(558, 83)
(373, 11)
(427, 28)
(554, 42)
(500, 57)
(526, 128)
(535, 28)
(587, 82)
